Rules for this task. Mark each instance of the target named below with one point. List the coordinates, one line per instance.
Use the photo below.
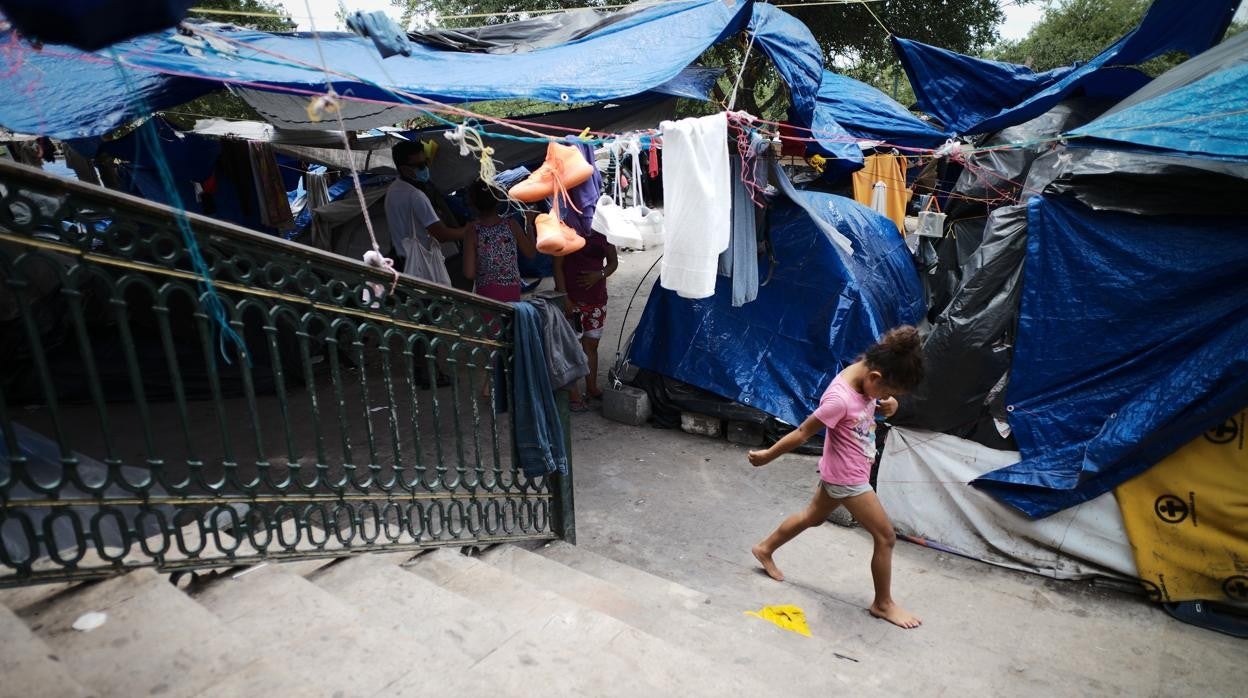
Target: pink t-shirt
(849, 443)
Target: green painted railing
(132, 436)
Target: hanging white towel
(697, 196)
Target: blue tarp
(866, 113)
(964, 91)
(972, 95)
(63, 92)
(819, 311)
(1196, 110)
(799, 60)
(1132, 340)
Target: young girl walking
(892, 367)
(490, 248)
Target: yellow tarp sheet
(1187, 518)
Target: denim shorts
(845, 491)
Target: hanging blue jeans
(536, 430)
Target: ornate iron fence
(360, 417)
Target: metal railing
(133, 436)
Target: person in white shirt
(415, 228)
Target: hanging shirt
(697, 194)
(849, 442)
(891, 170)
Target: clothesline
(434, 110)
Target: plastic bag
(931, 223)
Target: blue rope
(209, 299)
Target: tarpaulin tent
(1153, 356)
(865, 113)
(972, 95)
(822, 306)
(92, 95)
(1195, 109)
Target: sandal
(579, 406)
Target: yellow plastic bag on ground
(790, 618)
(1187, 518)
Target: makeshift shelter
(973, 95)
(1091, 334)
(840, 277)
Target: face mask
(421, 174)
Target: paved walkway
(688, 508)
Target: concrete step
(622, 575)
(327, 647)
(29, 666)
(610, 644)
(454, 631)
(156, 640)
(746, 644)
(574, 652)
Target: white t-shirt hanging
(697, 196)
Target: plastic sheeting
(525, 35)
(972, 95)
(866, 113)
(968, 348)
(974, 290)
(67, 93)
(922, 483)
(1131, 342)
(799, 60)
(290, 111)
(821, 308)
(963, 91)
(1195, 109)
(1186, 519)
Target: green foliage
(223, 103)
(447, 12)
(1072, 31)
(1076, 30)
(259, 20)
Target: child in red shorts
(582, 275)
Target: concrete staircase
(514, 621)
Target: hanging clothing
(270, 191)
(234, 166)
(83, 169)
(536, 430)
(565, 358)
(740, 260)
(891, 170)
(317, 186)
(410, 214)
(697, 191)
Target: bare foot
(896, 615)
(769, 566)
